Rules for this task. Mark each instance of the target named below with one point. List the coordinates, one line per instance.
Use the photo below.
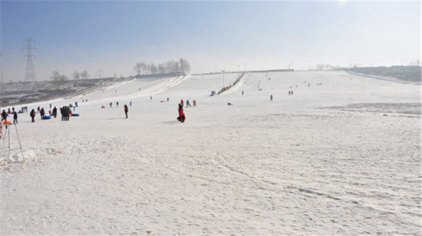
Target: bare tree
(180, 66)
(137, 68)
(84, 74)
(161, 69)
(153, 68)
(143, 67)
(185, 66)
(55, 76)
(76, 75)
(58, 79)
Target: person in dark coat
(126, 110)
(66, 113)
(55, 112)
(4, 115)
(15, 117)
(69, 113)
(62, 113)
(181, 117)
(42, 113)
(32, 114)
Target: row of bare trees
(80, 75)
(180, 66)
(141, 68)
(60, 79)
(57, 77)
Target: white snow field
(343, 157)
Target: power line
(30, 71)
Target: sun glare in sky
(341, 2)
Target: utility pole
(30, 71)
(224, 78)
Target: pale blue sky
(112, 36)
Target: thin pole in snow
(19, 141)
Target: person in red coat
(181, 117)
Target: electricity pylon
(30, 71)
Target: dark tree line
(181, 66)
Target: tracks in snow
(153, 90)
(161, 87)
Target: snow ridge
(235, 86)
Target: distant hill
(405, 73)
(27, 92)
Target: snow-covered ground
(342, 157)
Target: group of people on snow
(65, 113)
(182, 116)
(188, 103)
(117, 104)
(5, 114)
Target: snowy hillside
(26, 92)
(339, 156)
(403, 73)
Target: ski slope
(134, 88)
(340, 156)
